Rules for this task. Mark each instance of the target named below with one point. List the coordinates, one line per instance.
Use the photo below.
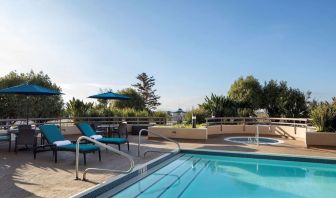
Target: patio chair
(6, 137)
(87, 130)
(95, 127)
(25, 136)
(57, 142)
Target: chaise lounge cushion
(113, 140)
(53, 134)
(82, 147)
(87, 130)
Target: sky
(192, 48)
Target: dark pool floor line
(180, 176)
(193, 179)
(175, 168)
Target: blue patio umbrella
(29, 90)
(110, 96)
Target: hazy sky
(192, 48)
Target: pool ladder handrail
(162, 136)
(258, 133)
(130, 158)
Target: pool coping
(122, 181)
(240, 142)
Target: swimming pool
(213, 174)
(253, 140)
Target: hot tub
(253, 140)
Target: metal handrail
(162, 136)
(296, 122)
(130, 158)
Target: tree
(282, 101)
(14, 106)
(78, 108)
(219, 106)
(271, 92)
(293, 103)
(145, 89)
(136, 102)
(247, 92)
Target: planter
(320, 139)
(179, 133)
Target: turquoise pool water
(220, 176)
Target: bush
(142, 113)
(219, 106)
(324, 117)
(160, 114)
(200, 113)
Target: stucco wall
(298, 133)
(320, 139)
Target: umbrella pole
(27, 106)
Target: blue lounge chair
(87, 130)
(52, 134)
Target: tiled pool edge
(145, 169)
(271, 156)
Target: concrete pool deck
(22, 176)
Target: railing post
(130, 158)
(162, 136)
(221, 124)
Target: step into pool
(235, 175)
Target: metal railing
(162, 136)
(69, 121)
(130, 158)
(251, 121)
(293, 122)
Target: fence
(6, 123)
(300, 122)
(246, 121)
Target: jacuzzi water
(253, 140)
(195, 175)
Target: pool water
(195, 175)
(253, 140)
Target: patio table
(111, 128)
(15, 132)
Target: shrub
(324, 117)
(142, 113)
(200, 113)
(160, 114)
(219, 106)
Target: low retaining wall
(320, 139)
(296, 133)
(179, 133)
